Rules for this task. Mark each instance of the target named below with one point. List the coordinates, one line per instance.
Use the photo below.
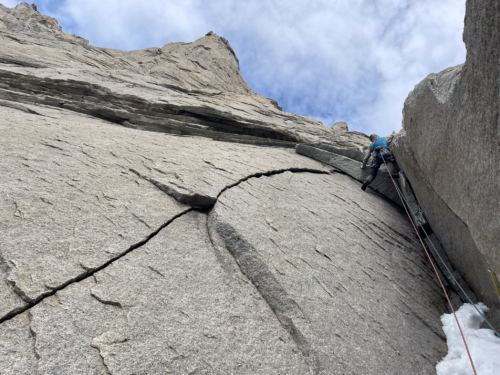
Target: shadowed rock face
(451, 150)
(200, 250)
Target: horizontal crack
(271, 173)
(91, 272)
(140, 113)
(205, 202)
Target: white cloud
(333, 60)
(9, 3)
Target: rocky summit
(159, 217)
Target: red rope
(439, 278)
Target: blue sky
(333, 60)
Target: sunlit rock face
(450, 150)
(155, 218)
(181, 88)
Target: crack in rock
(105, 302)
(195, 200)
(33, 337)
(90, 272)
(186, 196)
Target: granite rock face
(329, 267)
(450, 149)
(176, 305)
(77, 192)
(382, 184)
(181, 88)
(211, 248)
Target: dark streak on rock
(288, 312)
(104, 302)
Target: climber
(379, 149)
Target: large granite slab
(341, 268)
(175, 305)
(71, 198)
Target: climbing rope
(434, 267)
(449, 271)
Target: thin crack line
(91, 272)
(272, 173)
(201, 201)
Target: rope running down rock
(435, 270)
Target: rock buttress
(450, 148)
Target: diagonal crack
(187, 196)
(207, 204)
(90, 272)
(105, 302)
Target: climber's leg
(371, 176)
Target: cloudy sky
(333, 60)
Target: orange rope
(439, 278)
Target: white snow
(483, 345)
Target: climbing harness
(381, 154)
(495, 282)
(435, 270)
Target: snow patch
(483, 345)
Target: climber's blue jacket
(381, 141)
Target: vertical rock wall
(450, 150)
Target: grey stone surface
(453, 234)
(68, 205)
(355, 153)
(413, 208)
(182, 88)
(17, 341)
(452, 127)
(106, 267)
(70, 200)
(341, 269)
(340, 126)
(382, 184)
(176, 305)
